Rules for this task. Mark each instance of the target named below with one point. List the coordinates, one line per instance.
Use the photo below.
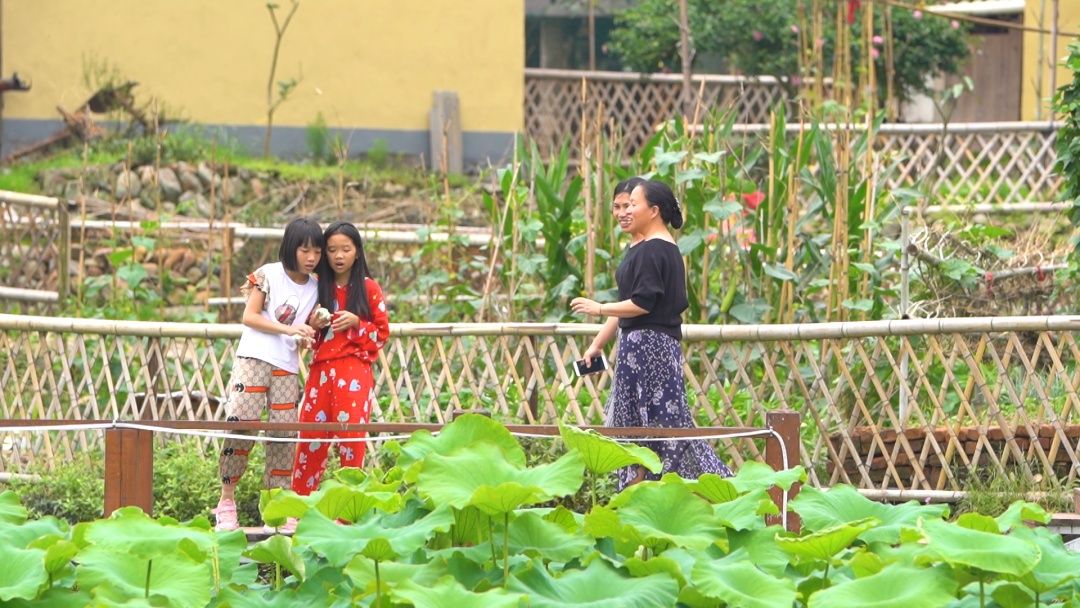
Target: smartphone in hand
(598, 364)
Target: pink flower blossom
(878, 40)
(917, 14)
(757, 36)
(874, 53)
(753, 199)
(954, 24)
(794, 29)
(819, 43)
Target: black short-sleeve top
(652, 276)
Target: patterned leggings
(254, 386)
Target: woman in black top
(649, 389)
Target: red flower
(852, 6)
(753, 199)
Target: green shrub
(185, 486)
(74, 491)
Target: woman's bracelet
(601, 310)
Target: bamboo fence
(993, 162)
(983, 394)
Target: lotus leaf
(840, 504)
(597, 586)
(23, 574)
(278, 550)
(670, 514)
(824, 544)
(478, 476)
(603, 455)
(339, 544)
(117, 576)
(448, 593)
(894, 587)
(11, 509)
(737, 582)
(984, 551)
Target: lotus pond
(463, 520)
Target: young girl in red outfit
(340, 385)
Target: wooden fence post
(129, 470)
(786, 424)
(63, 265)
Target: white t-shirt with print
(286, 302)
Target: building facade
(369, 67)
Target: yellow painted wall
(365, 63)
(1035, 105)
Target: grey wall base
(479, 147)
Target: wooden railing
(900, 405)
(129, 449)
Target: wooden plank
(786, 424)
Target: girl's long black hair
(356, 301)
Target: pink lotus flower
(916, 14)
(954, 24)
(874, 53)
(757, 36)
(794, 29)
(753, 199)
(878, 40)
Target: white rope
(117, 424)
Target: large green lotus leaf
(465, 431)
(23, 535)
(116, 576)
(480, 476)
(824, 544)
(448, 593)
(278, 550)
(753, 475)
(23, 573)
(566, 519)
(597, 586)
(327, 587)
(1057, 566)
(277, 505)
(339, 544)
(231, 546)
(747, 512)
(896, 586)
(373, 480)
(603, 455)
(604, 522)
(243, 597)
(982, 550)
(58, 557)
(978, 521)
(714, 488)
(351, 504)
(761, 547)
(661, 564)
(670, 514)
(531, 535)
(735, 581)
(11, 509)
(361, 571)
(129, 530)
(55, 597)
(1020, 512)
(1012, 595)
(841, 504)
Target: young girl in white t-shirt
(280, 298)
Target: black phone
(598, 364)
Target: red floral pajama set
(340, 388)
